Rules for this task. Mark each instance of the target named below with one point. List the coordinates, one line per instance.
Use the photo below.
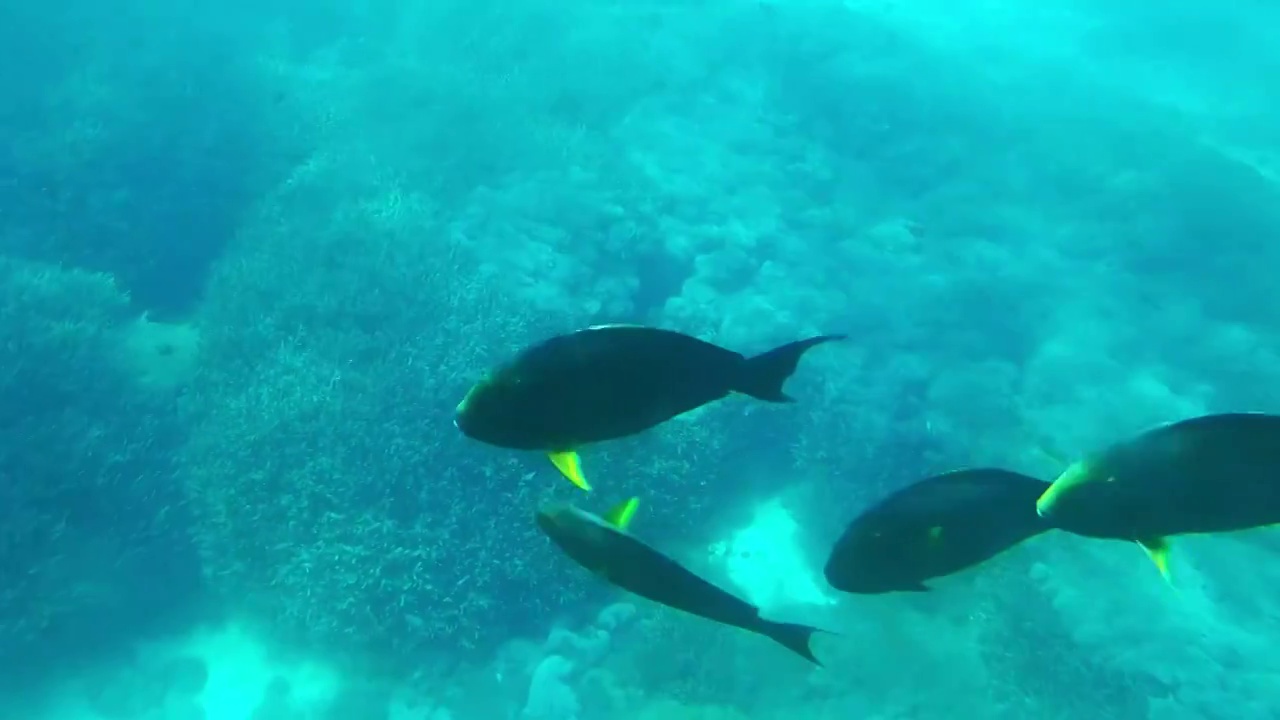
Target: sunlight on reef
(223, 673)
(765, 563)
(160, 356)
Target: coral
(334, 496)
(93, 543)
(1189, 643)
(612, 617)
(667, 709)
(550, 696)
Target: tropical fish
(1208, 474)
(603, 546)
(611, 381)
(934, 527)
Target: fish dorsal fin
(1158, 550)
(620, 515)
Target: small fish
(935, 527)
(603, 546)
(611, 381)
(1208, 474)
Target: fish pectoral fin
(620, 515)
(1158, 550)
(570, 466)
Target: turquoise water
(253, 254)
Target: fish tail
(765, 374)
(794, 637)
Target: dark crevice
(660, 277)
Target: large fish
(611, 381)
(1208, 474)
(935, 527)
(603, 546)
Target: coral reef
(93, 541)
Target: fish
(610, 381)
(604, 546)
(935, 527)
(1212, 473)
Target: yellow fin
(1076, 474)
(1158, 550)
(621, 514)
(570, 466)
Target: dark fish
(611, 381)
(603, 546)
(1213, 473)
(935, 527)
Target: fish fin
(1158, 550)
(620, 515)
(917, 587)
(570, 466)
(1078, 473)
(794, 637)
(935, 534)
(764, 375)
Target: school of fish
(1208, 474)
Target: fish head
(553, 520)
(493, 412)
(873, 558)
(582, 536)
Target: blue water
(253, 254)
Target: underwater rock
(615, 615)
(125, 694)
(185, 676)
(551, 697)
(159, 356)
(360, 701)
(276, 702)
(411, 706)
(600, 694)
(182, 709)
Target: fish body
(603, 546)
(1208, 474)
(935, 527)
(611, 381)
